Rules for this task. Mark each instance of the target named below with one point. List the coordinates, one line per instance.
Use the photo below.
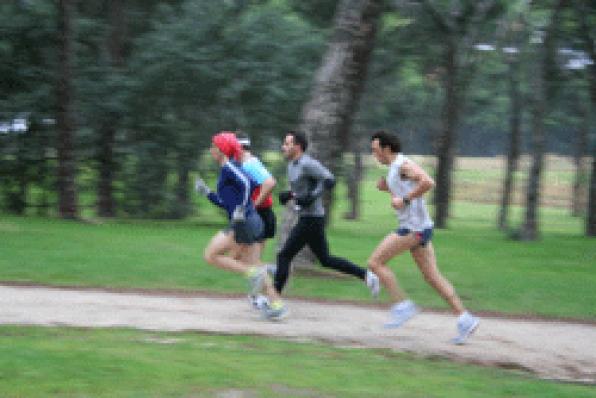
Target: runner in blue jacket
(241, 237)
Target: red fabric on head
(228, 144)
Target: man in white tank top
(406, 183)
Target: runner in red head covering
(228, 144)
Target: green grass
(62, 362)
(551, 277)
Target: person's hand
(305, 200)
(382, 185)
(285, 196)
(398, 202)
(201, 187)
(329, 183)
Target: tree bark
(582, 8)
(543, 93)
(460, 29)
(578, 202)
(339, 82)
(106, 205)
(353, 181)
(67, 193)
(591, 219)
(514, 142)
(448, 137)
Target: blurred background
(107, 107)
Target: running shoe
(275, 311)
(372, 281)
(466, 326)
(258, 301)
(401, 313)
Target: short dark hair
(299, 139)
(387, 140)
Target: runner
(308, 179)
(240, 239)
(263, 202)
(406, 182)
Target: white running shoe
(258, 301)
(401, 313)
(466, 325)
(372, 281)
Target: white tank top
(415, 216)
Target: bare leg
(424, 256)
(261, 248)
(390, 246)
(215, 253)
(250, 255)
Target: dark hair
(387, 140)
(299, 139)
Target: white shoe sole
(395, 324)
(461, 339)
(277, 318)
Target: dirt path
(552, 350)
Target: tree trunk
(67, 193)
(578, 202)
(591, 219)
(514, 141)
(529, 229)
(448, 137)
(105, 190)
(582, 10)
(182, 203)
(327, 118)
(543, 94)
(353, 181)
(106, 205)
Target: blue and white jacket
(234, 187)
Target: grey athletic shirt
(307, 175)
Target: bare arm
(266, 189)
(424, 183)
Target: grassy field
(551, 277)
(60, 362)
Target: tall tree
(578, 201)
(107, 132)
(543, 87)
(519, 30)
(587, 32)
(67, 191)
(338, 84)
(460, 27)
(327, 117)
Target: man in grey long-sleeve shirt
(308, 179)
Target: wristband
(406, 201)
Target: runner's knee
(209, 255)
(374, 264)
